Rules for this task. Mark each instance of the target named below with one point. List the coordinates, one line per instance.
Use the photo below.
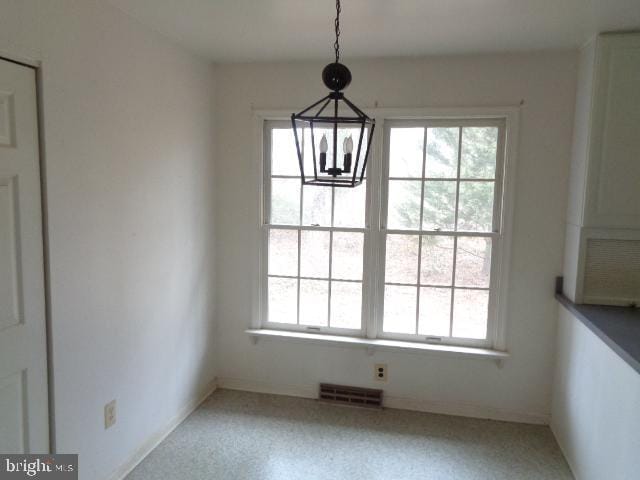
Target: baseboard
(154, 440)
(563, 448)
(304, 391)
(391, 401)
(459, 409)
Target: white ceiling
(267, 30)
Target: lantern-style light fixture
(327, 131)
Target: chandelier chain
(336, 45)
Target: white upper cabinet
(603, 217)
(612, 189)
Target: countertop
(618, 327)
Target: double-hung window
(314, 243)
(415, 253)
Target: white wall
(129, 168)
(595, 405)
(545, 82)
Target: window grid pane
(479, 152)
(305, 255)
(442, 152)
(402, 253)
(471, 199)
(469, 313)
(283, 300)
(346, 304)
(304, 266)
(284, 159)
(314, 254)
(475, 206)
(404, 204)
(435, 311)
(399, 309)
(314, 303)
(407, 153)
(347, 254)
(285, 201)
(283, 252)
(437, 261)
(438, 205)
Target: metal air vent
(612, 271)
(354, 396)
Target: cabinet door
(613, 185)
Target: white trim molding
(507, 118)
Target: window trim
(371, 308)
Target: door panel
(10, 311)
(12, 435)
(24, 424)
(6, 119)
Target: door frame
(37, 67)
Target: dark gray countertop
(618, 327)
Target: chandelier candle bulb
(348, 149)
(324, 146)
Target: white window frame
(269, 125)
(375, 230)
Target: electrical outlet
(380, 372)
(109, 414)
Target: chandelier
(327, 132)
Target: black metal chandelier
(325, 143)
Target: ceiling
(270, 30)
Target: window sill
(381, 344)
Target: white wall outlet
(380, 372)
(109, 414)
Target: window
(429, 267)
(315, 242)
(443, 198)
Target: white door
(24, 423)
